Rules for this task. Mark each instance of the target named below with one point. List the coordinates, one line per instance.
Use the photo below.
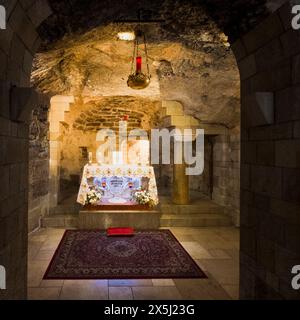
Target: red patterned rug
(90, 254)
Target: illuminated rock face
(207, 83)
(190, 59)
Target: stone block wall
(226, 173)
(39, 156)
(18, 44)
(268, 58)
(202, 184)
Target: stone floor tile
(232, 290)
(219, 254)
(45, 255)
(43, 293)
(120, 293)
(225, 271)
(191, 289)
(130, 283)
(156, 293)
(84, 290)
(196, 250)
(163, 282)
(51, 283)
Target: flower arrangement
(145, 197)
(93, 197)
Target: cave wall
(39, 156)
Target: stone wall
(38, 201)
(226, 173)
(18, 44)
(202, 184)
(268, 58)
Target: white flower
(145, 197)
(93, 197)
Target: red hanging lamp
(137, 79)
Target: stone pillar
(59, 105)
(180, 193)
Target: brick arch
(20, 40)
(270, 243)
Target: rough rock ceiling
(232, 16)
(190, 58)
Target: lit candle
(138, 64)
(90, 157)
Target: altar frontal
(118, 185)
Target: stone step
(144, 219)
(166, 220)
(201, 213)
(62, 209)
(60, 221)
(205, 208)
(194, 220)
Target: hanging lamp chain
(146, 53)
(136, 53)
(137, 79)
(133, 58)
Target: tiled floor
(216, 250)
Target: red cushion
(120, 231)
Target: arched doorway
(264, 273)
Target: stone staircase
(200, 213)
(62, 216)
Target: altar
(118, 185)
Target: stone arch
(268, 59)
(18, 44)
(269, 245)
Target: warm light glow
(90, 157)
(126, 36)
(138, 64)
(117, 157)
(144, 151)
